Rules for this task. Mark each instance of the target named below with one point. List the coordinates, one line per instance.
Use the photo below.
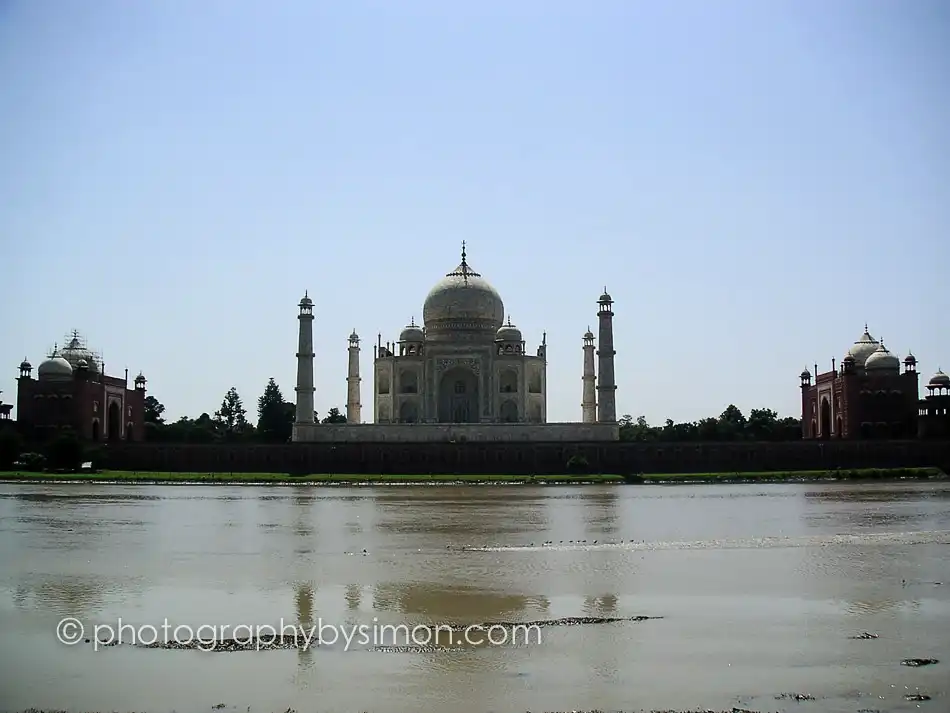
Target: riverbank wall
(526, 458)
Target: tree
(762, 424)
(707, 429)
(65, 452)
(334, 416)
(732, 424)
(10, 446)
(638, 430)
(153, 411)
(231, 419)
(275, 421)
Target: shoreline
(864, 475)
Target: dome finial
(463, 253)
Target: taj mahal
(465, 374)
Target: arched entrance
(129, 428)
(95, 429)
(408, 413)
(114, 421)
(825, 419)
(509, 412)
(458, 397)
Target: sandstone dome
(76, 352)
(882, 360)
(56, 367)
(940, 380)
(864, 347)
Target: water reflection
(604, 605)
(601, 513)
(303, 523)
(461, 515)
(436, 603)
(303, 599)
(872, 579)
(353, 596)
(64, 595)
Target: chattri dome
(940, 380)
(882, 360)
(508, 333)
(864, 347)
(463, 301)
(412, 333)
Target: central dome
(463, 301)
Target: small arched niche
(509, 412)
(508, 381)
(409, 412)
(408, 381)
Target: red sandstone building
(934, 411)
(73, 392)
(869, 397)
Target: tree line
(230, 423)
(762, 424)
(275, 419)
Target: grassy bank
(117, 476)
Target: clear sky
(752, 182)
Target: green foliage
(334, 416)
(153, 411)
(32, 462)
(577, 464)
(98, 456)
(65, 452)
(275, 417)
(731, 425)
(10, 445)
(231, 419)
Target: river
(761, 589)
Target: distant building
(465, 373)
(5, 410)
(73, 392)
(869, 397)
(934, 409)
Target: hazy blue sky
(752, 181)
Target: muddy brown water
(763, 591)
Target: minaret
(606, 387)
(305, 363)
(588, 396)
(353, 380)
